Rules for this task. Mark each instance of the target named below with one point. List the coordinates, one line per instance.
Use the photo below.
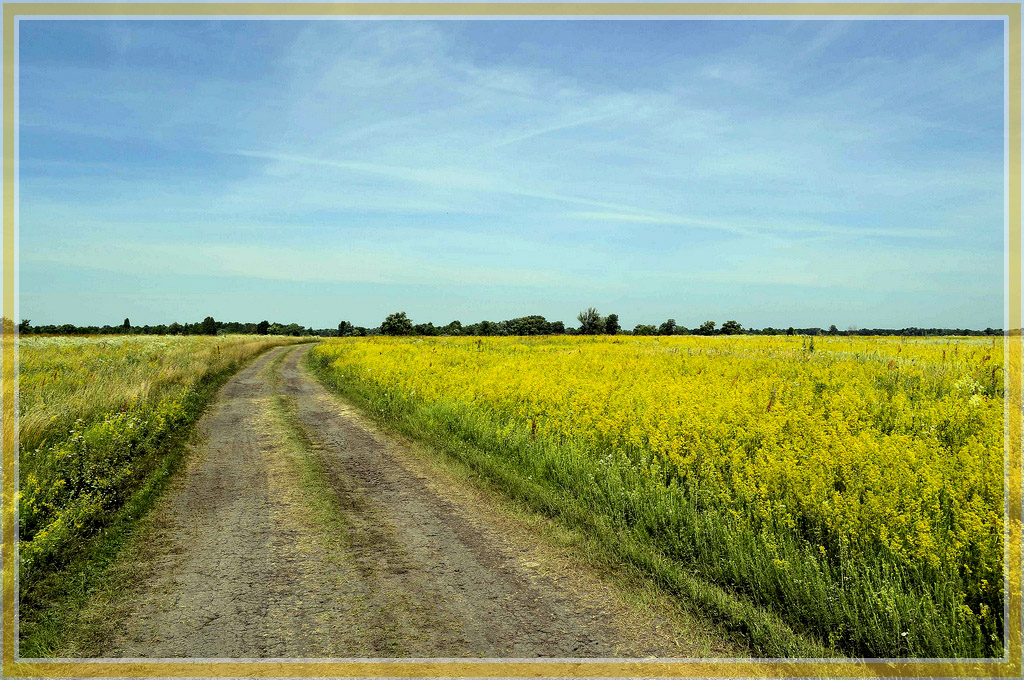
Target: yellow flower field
(861, 464)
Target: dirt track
(298, 529)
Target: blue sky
(773, 172)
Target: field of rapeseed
(100, 421)
(853, 487)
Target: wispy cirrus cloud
(302, 264)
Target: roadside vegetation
(836, 494)
(102, 424)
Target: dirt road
(298, 529)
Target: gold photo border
(1009, 666)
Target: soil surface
(299, 529)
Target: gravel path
(241, 560)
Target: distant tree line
(590, 323)
(208, 326)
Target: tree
(790, 331)
(209, 326)
(611, 324)
(644, 329)
(127, 325)
(262, 327)
(667, 328)
(706, 328)
(23, 327)
(731, 328)
(344, 328)
(453, 328)
(832, 330)
(396, 324)
(425, 328)
(591, 322)
(528, 325)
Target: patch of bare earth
(413, 561)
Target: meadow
(102, 424)
(843, 490)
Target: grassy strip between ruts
(52, 594)
(457, 438)
(320, 498)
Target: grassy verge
(543, 483)
(68, 568)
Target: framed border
(1008, 666)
